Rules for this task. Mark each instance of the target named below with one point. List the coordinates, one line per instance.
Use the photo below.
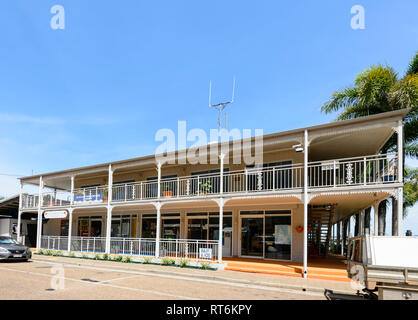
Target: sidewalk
(226, 276)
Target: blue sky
(120, 70)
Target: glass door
(96, 228)
(278, 237)
(252, 230)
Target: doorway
(266, 234)
(205, 226)
(252, 237)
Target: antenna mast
(222, 105)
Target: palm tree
(379, 89)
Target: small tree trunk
(367, 220)
(382, 218)
(394, 217)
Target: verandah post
(109, 209)
(158, 207)
(305, 205)
(39, 226)
(221, 205)
(19, 212)
(400, 174)
(70, 218)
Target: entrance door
(95, 228)
(252, 230)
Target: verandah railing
(190, 249)
(368, 170)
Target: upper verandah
(335, 140)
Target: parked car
(10, 249)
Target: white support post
(400, 151)
(70, 228)
(159, 179)
(72, 191)
(39, 226)
(221, 222)
(109, 209)
(305, 205)
(349, 235)
(400, 174)
(221, 207)
(157, 235)
(400, 210)
(158, 207)
(19, 212)
(342, 237)
(376, 218)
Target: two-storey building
(311, 178)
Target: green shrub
(41, 251)
(97, 256)
(205, 265)
(184, 263)
(118, 258)
(48, 252)
(147, 260)
(167, 261)
(106, 257)
(57, 253)
(84, 256)
(127, 259)
(71, 255)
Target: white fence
(54, 243)
(198, 250)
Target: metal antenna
(222, 105)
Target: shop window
(170, 229)
(64, 228)
(149, 228)
(278, 237)
(214, 227)
(83, 227)
(198, 229)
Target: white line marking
(103, 284)
(116, 279)
(219, 282)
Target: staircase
(319, 227)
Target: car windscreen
(5, 240)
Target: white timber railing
(368, 170)
(187, 249)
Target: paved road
(60, 280)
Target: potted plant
(205, 188)
(167, 192)
(104, 196)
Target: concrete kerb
(283, 282)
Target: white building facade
(283, 210)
